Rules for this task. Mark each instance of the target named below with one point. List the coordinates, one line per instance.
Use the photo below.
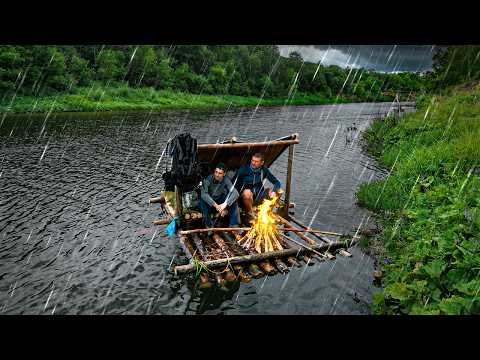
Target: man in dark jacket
(250, 182)
(218, 193)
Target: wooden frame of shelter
(221, 250)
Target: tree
(80, 71)
(143, 66)
(110, 66)
(11, 63)
(217, 78)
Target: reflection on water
(76, 233)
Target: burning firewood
(263, 235)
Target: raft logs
(246, 259)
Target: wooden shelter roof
(234, 154)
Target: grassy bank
(429, 207)
(126, 98)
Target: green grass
(429, 206)
(99, 98)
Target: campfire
(263, 235)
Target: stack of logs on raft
(228, 261)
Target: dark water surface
(76, 233)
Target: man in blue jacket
(250, 182)
(218, 193)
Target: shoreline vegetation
(37, 78)
(126, 98)
(428, 207)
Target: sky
(385, 58)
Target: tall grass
(429, 206)
(123, 97)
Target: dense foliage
(430, 206)
(453, 65)
(243, 70)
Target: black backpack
(184, 172)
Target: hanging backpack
(184, 171)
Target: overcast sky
(386, 58)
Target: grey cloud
(385, 58)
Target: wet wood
(181, 269)
(251, 268)
(178, 200)
(304, 246)
(304, 237)
(229, 276)
(280, 265)
(204, 281)
(289, 177)
(196, 231)
(307, 228)
(308, 260)
(161, 221)
(156, 200)
(199, 247)
(323, 238)
(293, 262)
(267, 267)
(170, 210)
(313, 231)
(212, 251)
(246, 146)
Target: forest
(40, 71)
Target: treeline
(244, 70)
(454, 65)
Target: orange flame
(263, 233)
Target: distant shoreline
(128, 99)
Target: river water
(76, 233)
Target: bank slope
(429, 207)
(127, 98)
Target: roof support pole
(289, 178)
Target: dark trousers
(207, 210)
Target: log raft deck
(220, 255)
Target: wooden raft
(220, 258)
(227, 261)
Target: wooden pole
(183, 269)
(302, 236)
(161, 221)
(155, 200)
(311, 231)
(289, 178)
(196, 231)
(245, 145)
(178, 201)
(305, 246)
(341, 251)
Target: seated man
(218, 193)
(250, 180)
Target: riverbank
(126, 98)
(429, 207)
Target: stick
(160, 199)
(305, 246)
(303, 237)
(161, 221)
(194, 231)
(306, 227)
(310, 231)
